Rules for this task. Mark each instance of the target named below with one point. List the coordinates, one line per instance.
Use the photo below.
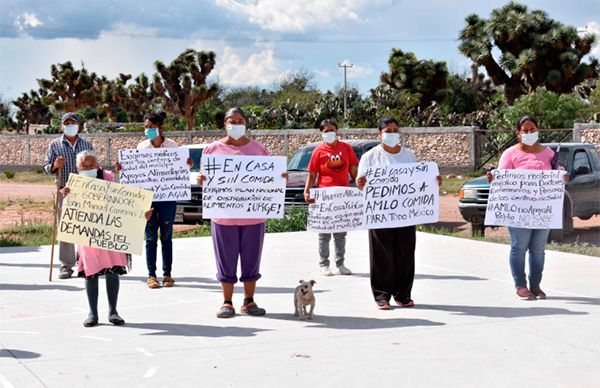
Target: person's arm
(49, 161)
(310, 182)
(353, 170)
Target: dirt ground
(450, 218)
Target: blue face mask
(151, 133)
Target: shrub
(9, 174)
(294, 220)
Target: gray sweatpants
(340, 248)
(66, 251)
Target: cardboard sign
(336, 209)
(402, 194)
(243, 186)
(162, 170)
(104, 214)
(530, 199)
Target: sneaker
(538, 293)
(383, 304)
(344, 270)
(168, 281)
(405, 302)
(116, 320)
(91, 321)
(65, 273)
(524, 294)
(325, 271)
(152, 282)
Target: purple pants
(231, 242)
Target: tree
(182, 85)
(141, 98)
(535, 50)
(6, 119)
(424, 77)
(70, 89)
(32, 109)
(114, 96)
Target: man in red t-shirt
(329, 165)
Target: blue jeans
(162, 218)
(522, 240)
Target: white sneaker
(344, 270)
(325, 271)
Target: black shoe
(116, 320)
(90, 321)
(65, 273)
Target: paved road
(466, 330)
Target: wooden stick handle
(56, 210)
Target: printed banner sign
(399, 195)
(530, 199)
(243, 186)
(162, 170)
(336, 209)
(105, 215)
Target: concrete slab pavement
(467, 328)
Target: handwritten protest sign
(105, 215)
(243, 186)
(401, 195)
(161, 170)
(336, 209)
(530, 199)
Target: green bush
(294, 220)
(552, 110)
(9, 174)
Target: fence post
(577, 133)
(28, 150)
(107, 152)
(286, 145)
(475, 148)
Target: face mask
(390, 139)
(71, 129)
(236, 131)
(530, 138)
(151, 133)
(93, 173)
(329, 137)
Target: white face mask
(329, 137)
(390, 139)
(71, 129)
(93, 173)
(530, 138)
(236, 131)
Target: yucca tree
(182, 86)
(141, 97)
(424, 77)
(70, 89)
(535, 50)
(32, 109)
(114, 95)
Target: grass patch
(27, 204)
(294, 220)
(37, 176)
(27, 234)
(452, 185)
(202, 230)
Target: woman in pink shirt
(527, 154)
(233, 238)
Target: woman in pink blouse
(527, 154)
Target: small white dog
(304, 296)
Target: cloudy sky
(257, 41)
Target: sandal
(226, 311)
(168, 281)
(152, 282)
(252, 309)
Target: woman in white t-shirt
(391, 250)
